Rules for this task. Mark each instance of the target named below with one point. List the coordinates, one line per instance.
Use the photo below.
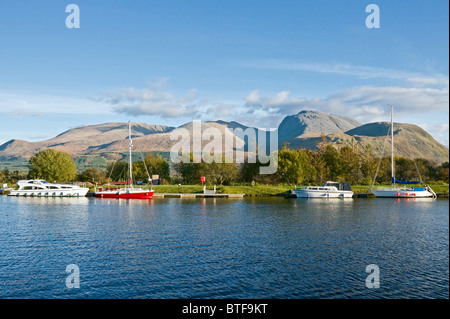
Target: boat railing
(428, 188)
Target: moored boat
(128, 192)
(404, 192)
(327, 190)
(417, 191)
(42, 188)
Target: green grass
(257, 190)
(178, 189)
(439, 188)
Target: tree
(289, 167)
(93, 175)
(117, 171)
(319, 165)
(187, 171)
(249, 172)
(351, 165)
(294, 166)
(333, 161)
(215, 173)
(157, 165)
(218, 173)
(443, 172)
(52, 165)
(369, 164)
(4, 176)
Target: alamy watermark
(73, 19)
(373, 19)
(73, 279)
(226, 147)
(373, 280)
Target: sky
(169, 62)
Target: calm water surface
(223, 248)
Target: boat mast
(392, 147)
(131, 144)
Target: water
(223, 248)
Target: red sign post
(202, 179)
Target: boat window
(28, 187)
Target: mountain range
(304, 129)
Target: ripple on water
(219, 248)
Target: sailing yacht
(129, 192)
(401, 191)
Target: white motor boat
(41, 188)
(328, 190)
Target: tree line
(314, 167)
(57, 166)
(295, 166)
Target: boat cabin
(339, 185)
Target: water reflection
(48, 201)
(223, 248)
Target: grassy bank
(257, 190)
(263, 190)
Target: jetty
(188, 195)
(196, 195)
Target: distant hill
(108, 138)
(313, 124)
(305, 129)
(410, 141)
(86, 139)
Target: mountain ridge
(304, 129)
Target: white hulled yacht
(417, 190)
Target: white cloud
(438, 80)
(440, 132)
(153, 100)
(368, 102)
(365, 104)
(359, 71)
(253, 98)
(361, 102)
(32, 104)
(421, 98)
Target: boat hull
(125, 194)
(300, 193)
(401, 193)
(44, 193)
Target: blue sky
(170, 62)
